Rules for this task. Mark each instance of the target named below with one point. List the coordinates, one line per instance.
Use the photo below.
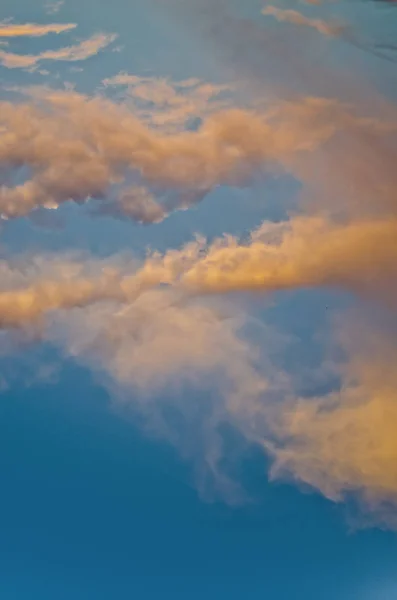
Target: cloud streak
(296, 18)
(303, 253)
(11, 30)
(332, 29)
(77, 52)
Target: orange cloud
(33, 29)
(78, 147)
(77, 52)
(346, 442)
(305, 252)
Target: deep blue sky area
(90, 509)
(91, 506)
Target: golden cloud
(33, 29)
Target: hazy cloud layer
(156, 354)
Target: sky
(198, 299)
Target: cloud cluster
(149, 329)
(77, 147)
(121, 320)
(332, 29)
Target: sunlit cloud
(345, 442)
(80, 147)
(329, 28)
(81, 51)
(11, 30)
(296, 18)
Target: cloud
(54, 7)
(136, 203)
(77, 52)
(152, 346)
(332, 29)
(10, 29)
(345, 443)
(305, 252)
(266, 62)
(151, 335)
(155, 354)
(293, 16)
(170, 105)
(35, 292)
(78, 147)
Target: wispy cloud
(9, 29)
(328, 28)
(52, 8)
(167, 104)
(81, 51)
(344, 443)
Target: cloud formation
(147, 327)
(170, 105)
(295, 17)
(159, 329)
(302, 253)
(332, 29)
(155, 354)
(78, 147)
(52, 8)
(9, 29)
(361, 258)
(345, 442)
(81, 51)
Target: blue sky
(217, 420)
